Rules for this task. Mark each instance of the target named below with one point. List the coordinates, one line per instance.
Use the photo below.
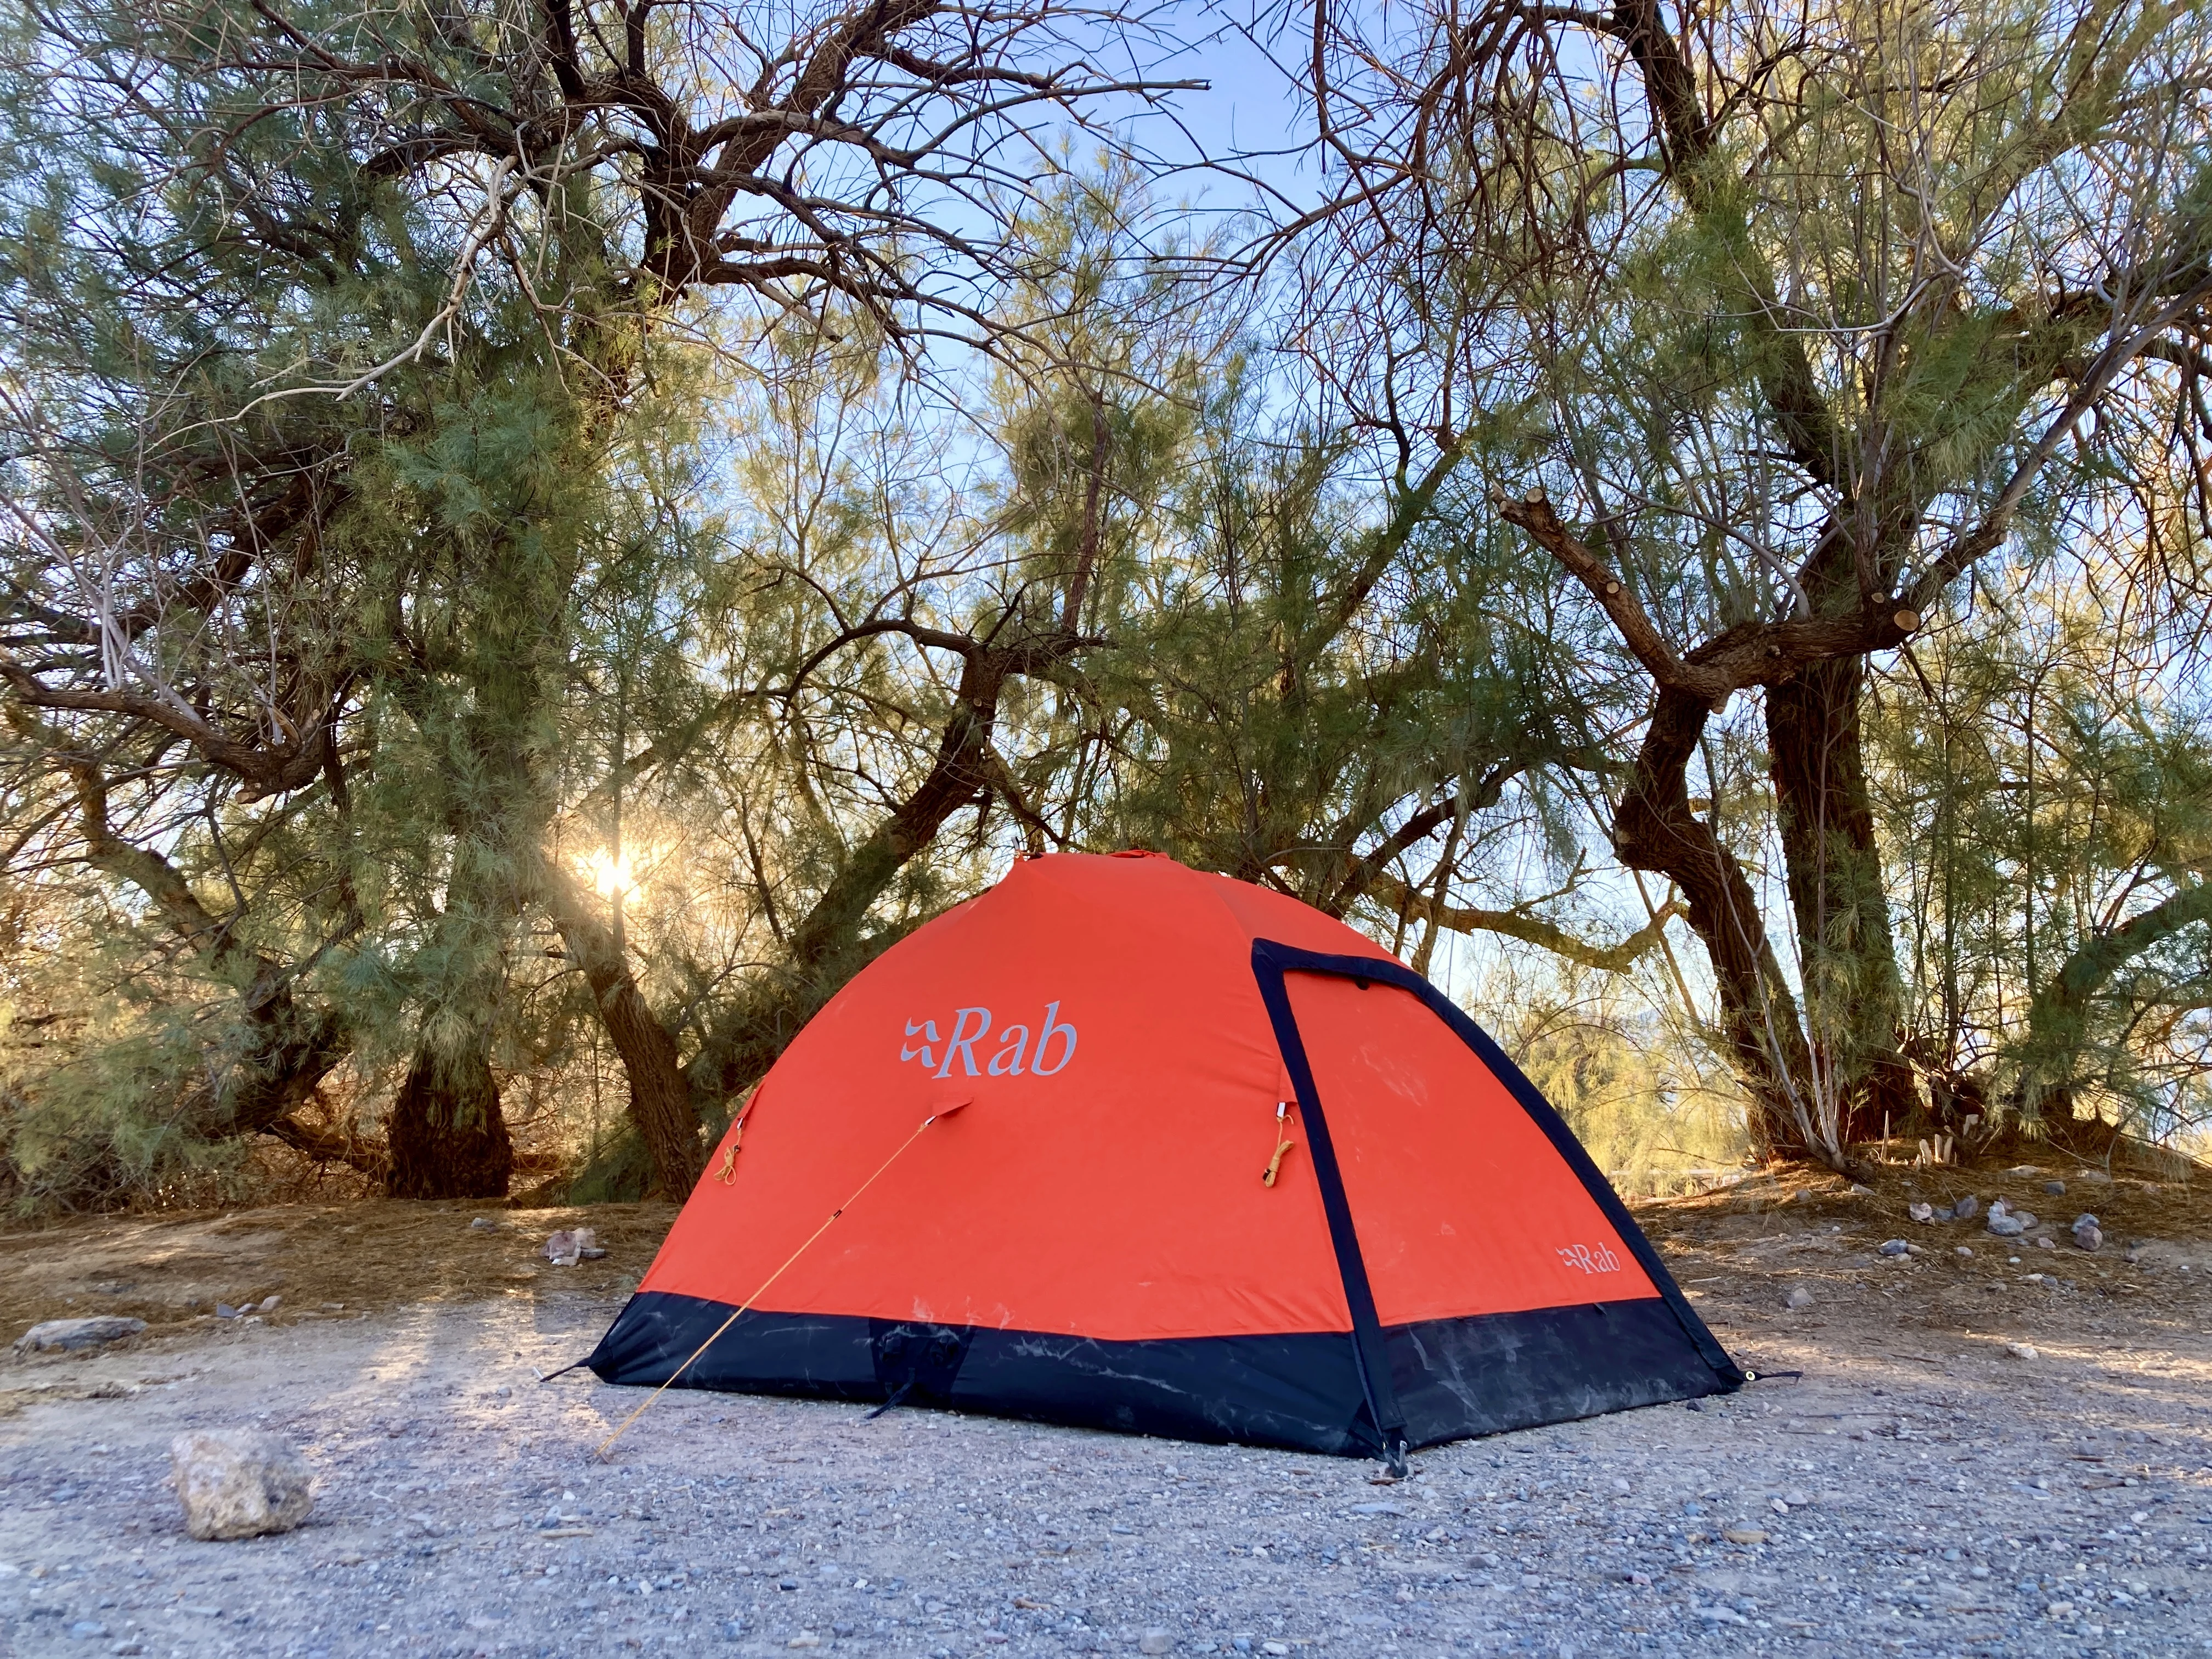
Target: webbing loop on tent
(744, 1307)
(726, 1171)
(1282, 1143)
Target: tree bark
(446, 1135)
(1854, 1001)
(1655, 829)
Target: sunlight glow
(609, 872)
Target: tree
(1809, 317)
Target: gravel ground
(1918, 1490)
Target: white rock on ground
(64, 1335)
(239, 1483)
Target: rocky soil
(1918, 1489)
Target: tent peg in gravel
(1228, 1172)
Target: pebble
(2022, 1351)
(2006, 1226)
(71, 1335)
(1896, 1247)
(1967, 1208)
(1743, 1535)
(2054, 1188)
(1155, 1640)
(1921, 1212)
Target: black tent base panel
(1455, 1378)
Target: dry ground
(1920, 1490)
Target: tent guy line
(607, 1445)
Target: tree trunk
(1848, 955)
(660, 1105)
(446, 1135)
(1654, 828)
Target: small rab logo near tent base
(1054, 1048)
(1585, 1259)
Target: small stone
(805, 1638)
(1960, 1249)
(2089, 1237)
(224, 1310)
(1860, 1190)
(1743, 1535)
(2025, 1218)
(1921, 1212)
(1967, 1208)
(1896, 1247)
(84, 1629)
(1277, 1648)
(561, 1247)
(71, 1335)
(483, 1223)
(1799, 1297)
(2046, 1245)
(271, 1304)
(2005, 1226)
(2054, 1188)
(1155, 1640)
(2022, 1351)
(239, 1483)
(734, 1630)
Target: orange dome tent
(1201, 1162)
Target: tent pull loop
(1395, 1458)
(726, 1171)
(1282, 1145)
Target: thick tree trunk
(1848, 954)
(660, 1105)
(446, 1135)
(1655, 829)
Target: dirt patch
(321, 1260)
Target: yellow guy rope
(607, 1445)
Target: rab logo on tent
(1582, 1257)
(1055, 1044)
